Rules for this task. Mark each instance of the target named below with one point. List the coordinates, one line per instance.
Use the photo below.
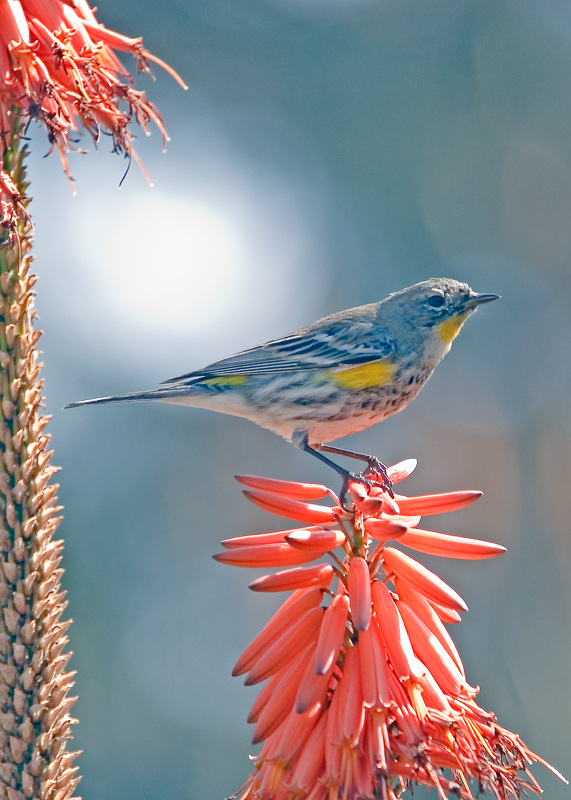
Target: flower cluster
(58, 65)
(365, 693)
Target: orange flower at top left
(58, 65)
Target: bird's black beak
(476, 300)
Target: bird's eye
(435, 300)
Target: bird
(334, 377)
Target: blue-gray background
(327, 153)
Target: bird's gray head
(439, 305)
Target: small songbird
(336, 376)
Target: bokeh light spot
(192, 266)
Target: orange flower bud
(436, 503)
(442, 544)
(301, 491)
(359, 588)
(289, 579)
(425, 581)
(331, 634)
(294, 509)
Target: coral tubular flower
(294, 509)
(58, 65)
(441, 544)
(289, 579)
(359, 588)
(331, 634)
(425, 581)
(366, 694)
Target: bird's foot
(367, 492)
(377, 474)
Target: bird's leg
(300, 440)
(373, 464)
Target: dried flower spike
(366, 694)
(34, 678)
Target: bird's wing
(337, 344)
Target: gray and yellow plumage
(336, 376)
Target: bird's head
(439, 306)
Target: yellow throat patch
(366, 376)
(449, 329)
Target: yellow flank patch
(366, 376)
(225, 380)
(449, 329)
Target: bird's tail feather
(132, 397)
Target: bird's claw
(369, 479)
(376, 469)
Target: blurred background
(328, 152)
